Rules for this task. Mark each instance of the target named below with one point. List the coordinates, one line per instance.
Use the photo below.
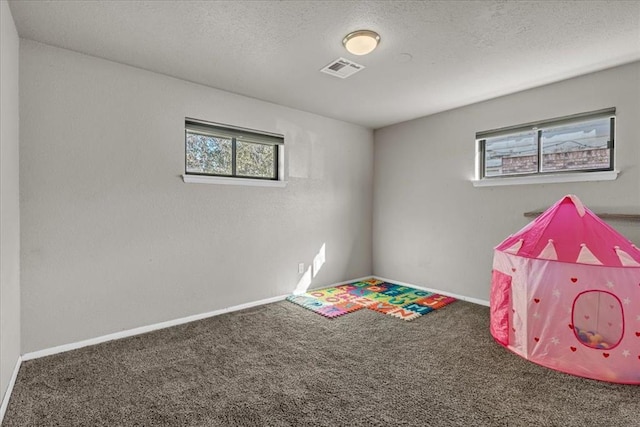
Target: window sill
(547, 179)
(198, 179)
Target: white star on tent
(555, 340)
(609, 284)
(626, 353)
(556, 293)
(627, 301)
(536, 315)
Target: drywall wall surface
(114, 239)
(433, 228)
(9, 199)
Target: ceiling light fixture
(361, 42)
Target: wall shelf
(603, 215)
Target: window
(213, 150)
(580, 143)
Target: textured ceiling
(462, 51)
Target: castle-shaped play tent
(565, 294)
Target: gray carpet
(282, 365)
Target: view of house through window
(511, 154)
(583, 143)
(217, 150)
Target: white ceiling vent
(342, 68)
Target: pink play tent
(565, 294)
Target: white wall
(9, 199)
(433, 228)
(112, 238)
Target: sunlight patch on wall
(305, 281)
(319, 260)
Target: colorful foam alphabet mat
(395, 300)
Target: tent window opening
(598, 320)
(579, 143)
(220, 150)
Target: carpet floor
(281, 365)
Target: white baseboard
(7, 394)
(438, 291)
(149, 328)
(144, 329)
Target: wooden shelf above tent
(603, 215)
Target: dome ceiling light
(361, 42)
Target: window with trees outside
(579, 143)
(225, 151)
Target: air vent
(342, 68)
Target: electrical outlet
(301, 268)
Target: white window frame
(541, 177)
(240, 134)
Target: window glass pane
(511, 154)
(256, 160)
(208, 154)
(582, 145)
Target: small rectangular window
(580, 143)
(584, 145)
(219, 150)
